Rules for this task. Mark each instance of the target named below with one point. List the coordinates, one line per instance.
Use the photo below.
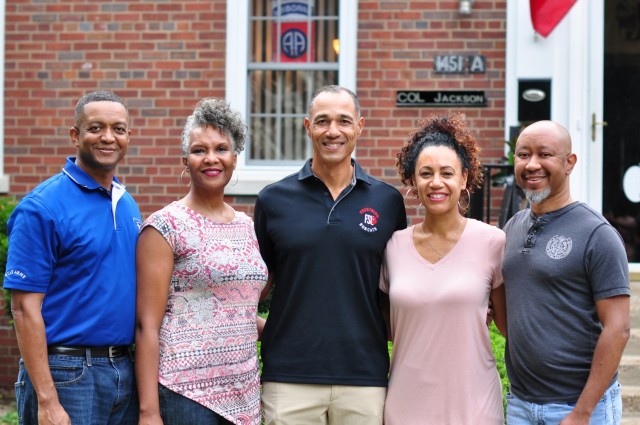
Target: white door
(614, 99)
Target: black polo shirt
(324, 325)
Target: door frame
(595, 65)
(572, 56)
(594, 33)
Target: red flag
(546, 14)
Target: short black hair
(336, 89)
(96, 96)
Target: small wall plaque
(459, 64)
(441, 98)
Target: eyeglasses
(534, 231)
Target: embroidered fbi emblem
(559, 247)
(369, 220)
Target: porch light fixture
(465, 7)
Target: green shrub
(10, 418)
(498, 344)
(7, 205)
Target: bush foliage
(7, 206)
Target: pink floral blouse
(208, 334)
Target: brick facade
(164, 56)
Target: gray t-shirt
(556, 267)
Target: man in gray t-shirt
(567, 286)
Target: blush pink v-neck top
(443, 370)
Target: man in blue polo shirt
(322, 233)
(71, 272)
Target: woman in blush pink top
(200, 275)
(440, 275)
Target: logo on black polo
(369, 220)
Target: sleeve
(606, 263)
(161, 222)
(34, 243)
(260, 226)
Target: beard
(537, 196)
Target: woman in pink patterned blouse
(200, 275)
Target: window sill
(4, 183)
(250, 182)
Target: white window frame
(252, 178)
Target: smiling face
(101, 137)
(439, 179)
(542, 164)
(210, 159)
(333, 126)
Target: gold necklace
(440, 254)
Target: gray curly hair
(216, 113)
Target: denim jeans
(608, 411)
(92, 390)
(177, 409)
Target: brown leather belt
(113, 351)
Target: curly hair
(216, 113)
(446, 130)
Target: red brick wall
(164, 56)
(397, 42)
(159, 56)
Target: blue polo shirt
(325, 325)
(74, 241)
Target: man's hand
(490, 314)
(52, 414)
(575, 418)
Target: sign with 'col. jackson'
(441, 98)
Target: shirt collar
(80, 177)
(306, 172)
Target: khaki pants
(311, 404)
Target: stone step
(630, 401)
(629, 370)
(633, 345)
(635, 295)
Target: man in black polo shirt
(322, 233)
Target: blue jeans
(177, 409)
(608, 411)
(92, 390)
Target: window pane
(279, 101)
(292, 54)
(294, 31)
